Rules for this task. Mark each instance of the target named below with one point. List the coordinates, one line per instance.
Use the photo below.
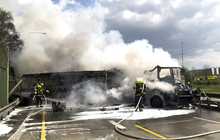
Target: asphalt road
(51, 125)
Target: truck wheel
(156, 102)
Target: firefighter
(138, 94)
(189, 85)
(47, 92)
(39, 94)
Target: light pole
(35, 33)
(182, 53)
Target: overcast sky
(168, 26)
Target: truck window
(177, 75)
(165, 73)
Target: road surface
(93, 124)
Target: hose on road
(144, 138)
(29, 117)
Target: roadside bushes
(207, 82)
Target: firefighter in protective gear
(138, 93)
(39, 94)
(44, 91)
(189, 85)
(47, 91)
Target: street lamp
(35, 33)
(182, 54)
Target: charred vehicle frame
(181, 96)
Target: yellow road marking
(151, 132)
(43, 127)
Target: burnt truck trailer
(181, 96)
(60, 83)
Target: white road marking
(206, 120)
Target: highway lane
(78, 124)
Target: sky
(133, 36)
(115, 33)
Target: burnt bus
(59, 83)
(181, 96)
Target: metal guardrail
(214, 95)
(210, 101)
(8, 108)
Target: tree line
(8, 33)
(201, 76)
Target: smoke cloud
(76, 40)
(86, 93)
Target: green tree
(8, 33)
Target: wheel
(156, 102)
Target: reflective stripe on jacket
(134, 88)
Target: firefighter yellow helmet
(137, 82)
(141, 82)
(42, 84)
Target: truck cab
(179, 94)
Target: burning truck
(181, 95)
(60, 83)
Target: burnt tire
(156, 102)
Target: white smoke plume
(163, 86)
(76, 40)
(86, 93)
(150, 78)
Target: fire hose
(29, 117)
(132, 112)
(144, 138)
(135, 107)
